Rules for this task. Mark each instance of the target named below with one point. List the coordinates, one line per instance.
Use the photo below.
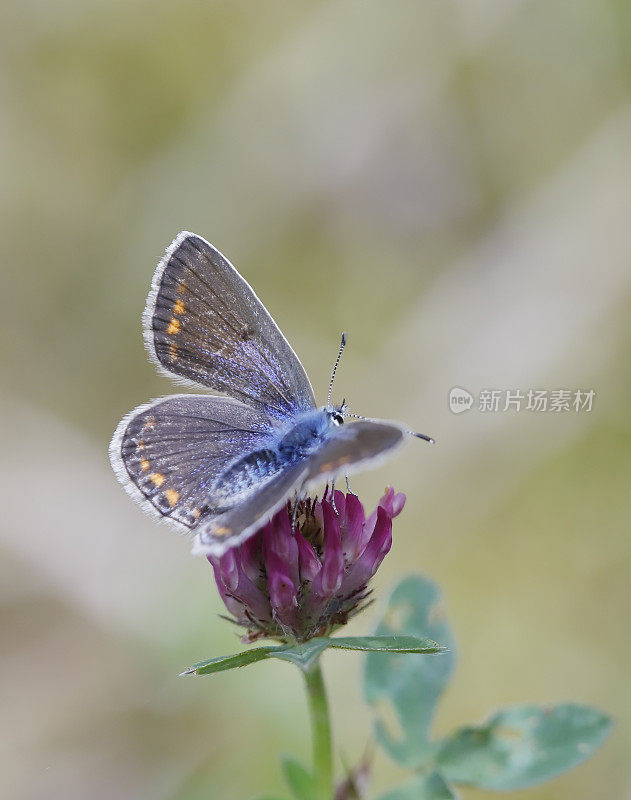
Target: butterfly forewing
(352, 447)
(204, 323)
(168, 453)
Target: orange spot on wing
(144, 464)
(172, 496)
(173, 352)
(174, 326)
(221, 530)
(181, 287)
(196, 512)
(179, 307)
(157, 478)
(333, 465)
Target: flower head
(292, 583)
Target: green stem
(321, 732)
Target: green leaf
(423, 787)
(303, 655)
(388, 644)
(221, 663)
(523, 746)
(406, 690)
(299, 779)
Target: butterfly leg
(294, 513)
(300, 496)
(348, 483)
(329, 494)
(333, 497)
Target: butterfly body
(248, 473)
(222, 466)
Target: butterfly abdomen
(245, 475)
(250, 472)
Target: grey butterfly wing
(204, 323)
(217, 534)
(352, 447)
(167, 453)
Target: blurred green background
(450, 182)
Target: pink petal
(353, 537)
(374, 553)
(329, 579)
(398, 503)
(232, 581)
(282, 592)
(309, 562)
(277, 538)
(340, 503)
(387, 500)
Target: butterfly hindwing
(218, 534)
(205, 324)
(167, 453)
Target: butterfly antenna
(337, 361)
(423, 436)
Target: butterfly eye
(337, 419)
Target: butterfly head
(336, 414)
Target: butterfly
(222, 466)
